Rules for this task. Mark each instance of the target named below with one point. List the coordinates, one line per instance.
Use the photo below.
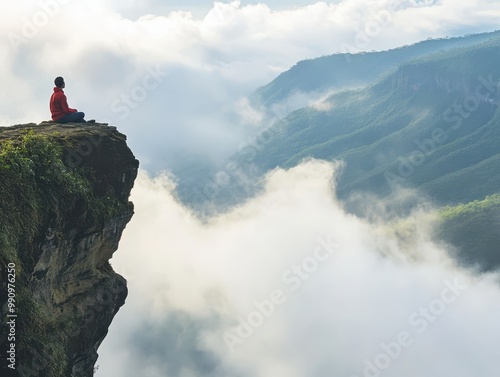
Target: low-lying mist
(289, 284)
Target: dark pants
(72, 118)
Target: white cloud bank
(208, 63)
(190, 283)
(288, 284)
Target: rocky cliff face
(64, 206)
(468, 72)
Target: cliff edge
(64, 193)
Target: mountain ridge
(346, 70)
(401, 102)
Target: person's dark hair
(59, 81)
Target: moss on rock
(64, 203)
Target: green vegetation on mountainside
(433, 125)
(37, 190)
(475, 229)
(431, 122)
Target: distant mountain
(431, 123)
(347, 71)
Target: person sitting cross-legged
(61, 112)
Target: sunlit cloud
(290, 283)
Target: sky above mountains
(174, 76)
(289, 284)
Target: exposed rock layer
(66, 291)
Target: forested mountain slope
(346, 70)
(433, 124)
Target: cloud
(212, 61)
(192, 282)
(290, 284)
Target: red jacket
(59, 104)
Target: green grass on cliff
(37, 187)
(31, 175)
